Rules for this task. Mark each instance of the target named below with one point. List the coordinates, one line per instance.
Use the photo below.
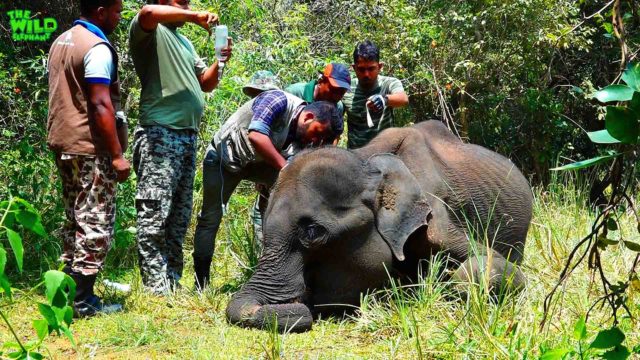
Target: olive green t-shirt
(168, 68)
(359, 133)
(305, 90)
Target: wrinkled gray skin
(337, 218)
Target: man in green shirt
(173, 78)
(373, 97)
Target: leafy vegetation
(519, 77)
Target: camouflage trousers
(89, 194)
(164, 161)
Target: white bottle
(222, 34)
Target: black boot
(202, 267)
(86, 302)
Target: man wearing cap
(253, 144)
(331, 86)
(373, 97)
(261, 80)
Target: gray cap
(261, 80)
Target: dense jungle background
(516, 76)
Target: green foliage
(622, 123)
(607, 344)
(60, 288)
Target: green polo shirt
(359, 133)
(305, 91)
(168, 68)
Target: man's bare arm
(102, 112)
(209, 79)
(263, 145)
(397, 100)
(152, 15)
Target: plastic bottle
(222, 35)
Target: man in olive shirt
(373, 97)
(173, 77)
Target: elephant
(343, 222)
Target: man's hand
(206, 20)
(121, 167)
(226, 52)
(376, 103)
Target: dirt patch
(389, 197)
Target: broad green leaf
(42, 328)
(31, 221)
(53, 280)
(16, 245)
(580, 329)
(614, 93)
(631, 76)
(3, 260)
(5, 285)
(69, 335)
(68, 315)
(632, 246)
(26, 218)
(32, 355)
(608, 338)
(618, 353)
(612, 224)
(602, 137)
(9, 220)
(634, 104)
(61, 313)
(555, 354)
(622, 124)
(49, 315)
(585, 163)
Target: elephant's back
(491, 195)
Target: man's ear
(380, 65)
(308, 117)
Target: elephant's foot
(499, 275)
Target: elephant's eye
(314, 231)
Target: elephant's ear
(400, 206)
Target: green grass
(404, 322)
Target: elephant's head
(334, 225)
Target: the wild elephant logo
(25, 27)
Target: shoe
(93, 306)
(86, 303)
(202, 267)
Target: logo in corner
(26, 28)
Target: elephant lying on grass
(339, 220)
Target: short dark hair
(327, 112)
(88, 6)
(366, 50)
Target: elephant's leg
(492, 270)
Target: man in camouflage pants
(88, 142)
(173, 77)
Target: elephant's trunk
(272, 297)
(247, 311)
